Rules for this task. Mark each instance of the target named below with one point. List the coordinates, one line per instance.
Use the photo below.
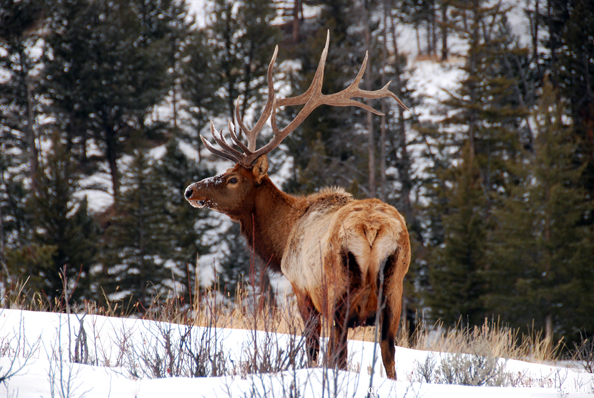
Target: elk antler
(312, 99)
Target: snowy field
(51, 355)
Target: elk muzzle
(193, 198)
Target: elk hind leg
(390, 316)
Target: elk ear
(260, 168)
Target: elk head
(233, 192)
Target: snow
(197, 9)
(40, 343)
(97, 190)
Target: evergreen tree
(331, 144)
(165, 29)
(154, 237)
(14, 222)
(184, 226)
(67, 72)
(244, 40)
(108, 73)
(487, 125)
(456, 275)
(541, 251)
(199, 83)
(20, 22)
(136, 238)
(569, 63)
(576, 79)
(62, 222)
(238, 263)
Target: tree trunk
(33, 154)
(428, 35)
(174, 104)
(444, 32)
(552, 43)
(199, 141)
(535, 35)
(472, 120)
(296, 7)
(403, 161)
(433, 30)
(419, 51)
(382, 143)
(368, 80)
(2, 256)
(111, 156)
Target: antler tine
(222, 141)
(217, 152)
(354, 86)
(268, 109)
(316, 83)
(234, 156)
(236, 140)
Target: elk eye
(233, 180)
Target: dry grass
(210, 309)
(490, 339)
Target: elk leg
(337, 344)
(312, 326)
(389, 326)
(390, 320)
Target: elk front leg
(312, 326)
(337, 344)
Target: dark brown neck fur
(272, 219)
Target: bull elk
(345, 258)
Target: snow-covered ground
(123, 357)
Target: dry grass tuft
(209, 308)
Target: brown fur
(330, 247)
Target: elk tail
(381, 248)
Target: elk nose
(188, 193)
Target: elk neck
(268, 225)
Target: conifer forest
(102, 103)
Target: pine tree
(136, 238)
(541, 251)
(19, 25)
(107, 75)
(67, 72)
(336, 137)
(184, 225)
(576, 79)
(456, 275)
(237, 264)
(14, 188)
(244, 40)
(487, 126)
(199, 83)
(62, 222)
(166, 26)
